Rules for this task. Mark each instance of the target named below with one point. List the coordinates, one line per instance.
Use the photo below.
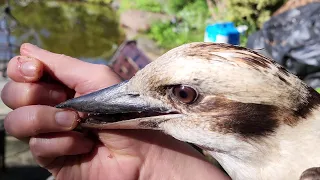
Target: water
(87, 31)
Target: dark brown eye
(185, 94)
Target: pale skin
(67, 154)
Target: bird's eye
(185, 94)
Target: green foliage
(99, 1)
(82, 30)
(169, 36)
(190, 25)
(193, 16)
(147, 5)
(175, 6)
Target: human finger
(25, 69)
(81, 76)
(46, 147)
(33, 120)
(15, 94)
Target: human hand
(41, 80)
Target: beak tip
(71, 103)
(81, 104)
(62, 105)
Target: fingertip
(60, 144)
(26, 48)
(25, 69)
(18, 94)
(59, 66)
(35, 120)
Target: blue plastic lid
(223, 29)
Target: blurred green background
(192, 16)
(86, 30)
(90, 29)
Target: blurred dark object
(128, 60)
(293, 40)
(291, 4)
(2, 146)
(25, 173)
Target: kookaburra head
(258, 120)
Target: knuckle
(69, 142)
(25, 94)
(32, 93)
(58, 58)
(61, 57)
(35, 147)
(34, 118)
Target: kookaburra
(259, 121)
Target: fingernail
(66, 118)
(28, 69)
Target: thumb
(81, 76)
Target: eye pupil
(185, 94)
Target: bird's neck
(283, 156)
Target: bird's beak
(117, 107)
